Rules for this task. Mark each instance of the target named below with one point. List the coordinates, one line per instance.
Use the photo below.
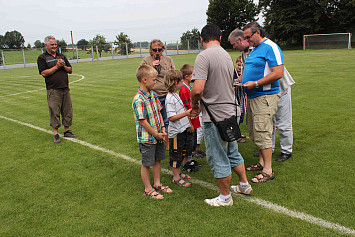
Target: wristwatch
(256, 84)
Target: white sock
(243, 184)
(224, 198)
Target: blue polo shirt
(264, 56)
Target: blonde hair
(239, 59)
(171, 78)
(145, 71)
(186, 70)
(156, 41)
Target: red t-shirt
(185, 96)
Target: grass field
(70, 189)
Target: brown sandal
(184, 176)
(263, 177)
(256, 167)
(181, 182)
(163, 188)
(153, 194)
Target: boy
(150, 131)
(185, 95)
(180, 138)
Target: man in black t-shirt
(54, 67)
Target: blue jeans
(221, 155)
(163, 112)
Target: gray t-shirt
(175, 106)
(215, 66)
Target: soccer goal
(327, 41)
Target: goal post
(327, 41)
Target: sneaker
(283, 157)
(217, 202)
(190, 168)
(244, 190)
(56, 138)
(69, 134)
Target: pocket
(262, 122)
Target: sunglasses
(249, 36)
(157, 50)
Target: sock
(224, 198)
(243, 184)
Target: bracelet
(162, 126)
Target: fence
(11, 58)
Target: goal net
(327, 41)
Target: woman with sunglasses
(162, 64)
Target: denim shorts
(221, 155)
(152, 153)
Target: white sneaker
(244, 190)
(216, 202)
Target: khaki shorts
(260, 111)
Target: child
(240, 94)
(180, 139)
(150, 131)
(185, 95)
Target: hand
(60, 63)
(160, 137)
(156, 63)
(191, 130)
(165, 135)
(249, 85)
(196, 109)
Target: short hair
(239, 59)
(254, 27)
(156, 41)
(236, 34)
(145, 71)
(171, 78)
(46, 40)
(211, 32)
(187, 70)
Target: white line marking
(258, 201)
(82, 77)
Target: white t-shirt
(175, 106)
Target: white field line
(82, 77)
(258, 201)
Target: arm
(60, 64)
(196, 94)
(275, 74)
(180, 116)
(146, 126)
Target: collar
(145, 94)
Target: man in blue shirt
(263, 68)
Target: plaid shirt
(147, 106)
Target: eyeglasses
(249, 36)
(157, 50)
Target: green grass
(68, 189)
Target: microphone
(157, 57)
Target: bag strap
(209, 112)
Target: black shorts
(179, 147)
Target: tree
(121, 40)
(29, 46)
(231, 14)
(2, 42)
(82, 44)
(100, 42)
(191, 39)
(38, 44)
(287, 21)
(14, 40)
(62, 44)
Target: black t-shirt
(59, 79)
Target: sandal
(241, 140)
(181, 183)
(258, 166)
(244, 136)
(153, 194)
(184, 176)
(163, 188)
(263, 177)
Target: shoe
(56, 138)
(190, 168)
(195, 163)
(283, 157)
(202, 153)
(244, 190)
(69, 134)
(256, 154)
(217, 202)
(196, 155)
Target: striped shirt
(147, 106)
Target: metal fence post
(3, 58)
(92, 53)
(188, 46)
(24, 59)
(126, 49)
(198, 45)
(177, 47)
(140, 48)
(112, 49)
(42, 50)
(97, 53)
(166, 47)
(60, 50)
(77, 55)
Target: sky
(141, 20)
